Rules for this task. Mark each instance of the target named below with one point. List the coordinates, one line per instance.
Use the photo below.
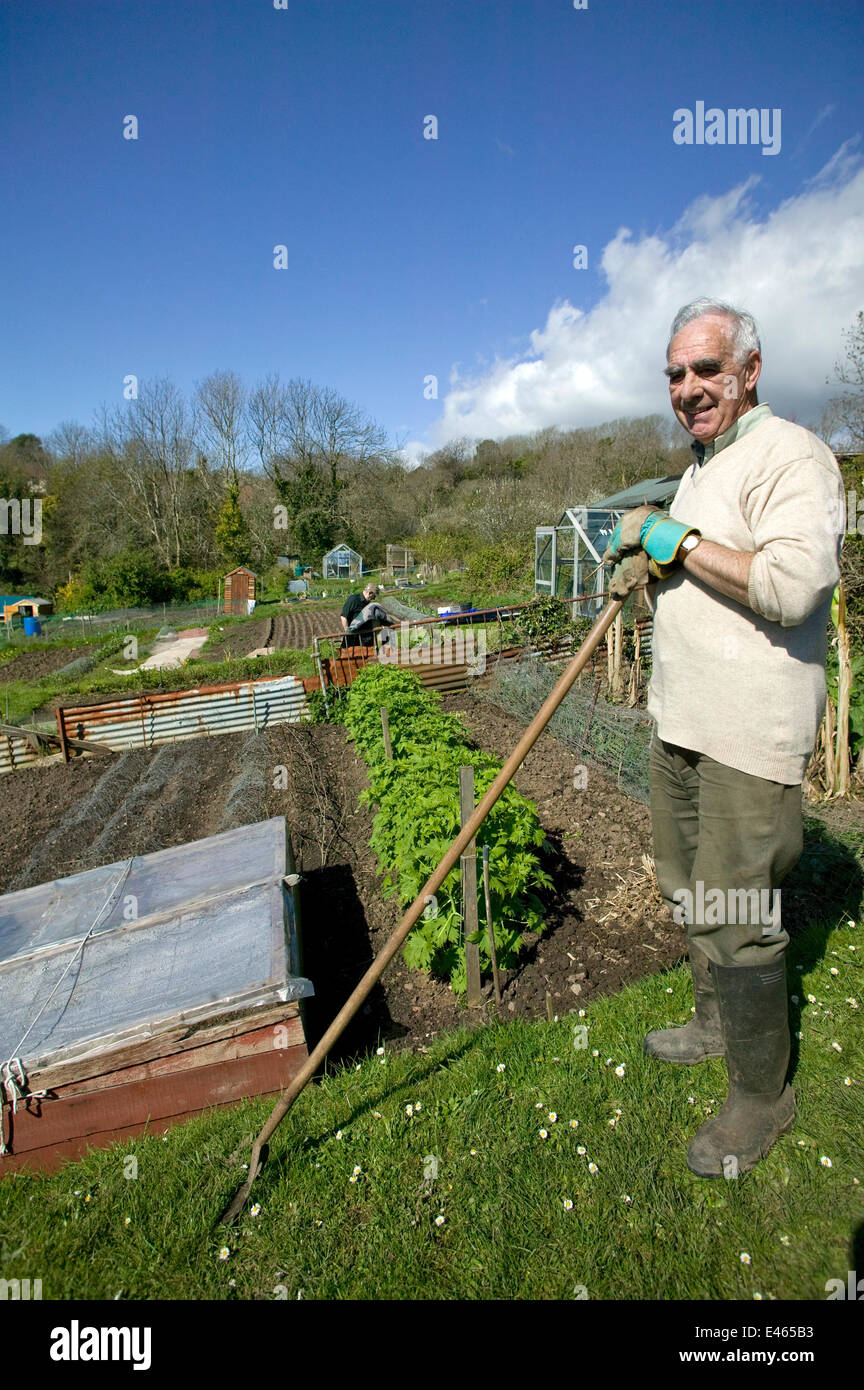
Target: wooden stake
(385, 728)
(468, 864)
(492, 948)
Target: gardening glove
(655, 532)
(631, 572)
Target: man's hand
(654, 532)
(631, 572)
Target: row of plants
(416, 793)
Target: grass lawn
(427, 1176)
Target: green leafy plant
(417, 796)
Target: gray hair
(745, 334)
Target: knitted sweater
(746, 686)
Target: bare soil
(292, 627)
(33, 665)
(605, 924)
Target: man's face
(708, 389)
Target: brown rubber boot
(760, 1105)
(702, 1037)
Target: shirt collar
(704, 453)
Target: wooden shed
(239, 591)
(137, 994)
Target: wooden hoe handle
(415, 911)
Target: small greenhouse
(568, 557)
(342, 563)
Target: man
(742, 572)
(360, 616)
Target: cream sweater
(746, 686)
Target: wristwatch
(690, 542)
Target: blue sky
(407, 256)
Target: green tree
(232, 533)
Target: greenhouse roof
(651, 490)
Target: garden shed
(239, 591)
(342, 563)
(567, 557)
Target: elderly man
(745, 566)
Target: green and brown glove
(631, 572)
(650, 532)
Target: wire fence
(613, 739)
(88, 625)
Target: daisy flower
(439, 1220)
(253, 1211)
(745, 1258)
(592, 1167)
(552, 1117)
(379, 1052)
(826, 1162)
(544, 1134)
(574, 1124)
(581, 1149)
(619, 1071)
(784, 1240)
(500, 1066)
(224, 1253)
(409, 1109)
(568, 1205)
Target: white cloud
(413, 452)
(799, 269)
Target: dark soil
(33, 665)
(597, 836)
(284, 627)
(605, 925)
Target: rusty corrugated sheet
(15, 752)
(142, 721)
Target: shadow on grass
(825, 886)
(273, 1169)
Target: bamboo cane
(415, 911)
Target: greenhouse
(568, 557)
(342, 563)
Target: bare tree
(151, 444)
(846, 412)
(222, 421)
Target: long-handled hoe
(414, 912)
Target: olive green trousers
(723, 843)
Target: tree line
(161, 495)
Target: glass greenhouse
(568, 558)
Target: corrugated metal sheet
(142, 721)
(15, 752)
